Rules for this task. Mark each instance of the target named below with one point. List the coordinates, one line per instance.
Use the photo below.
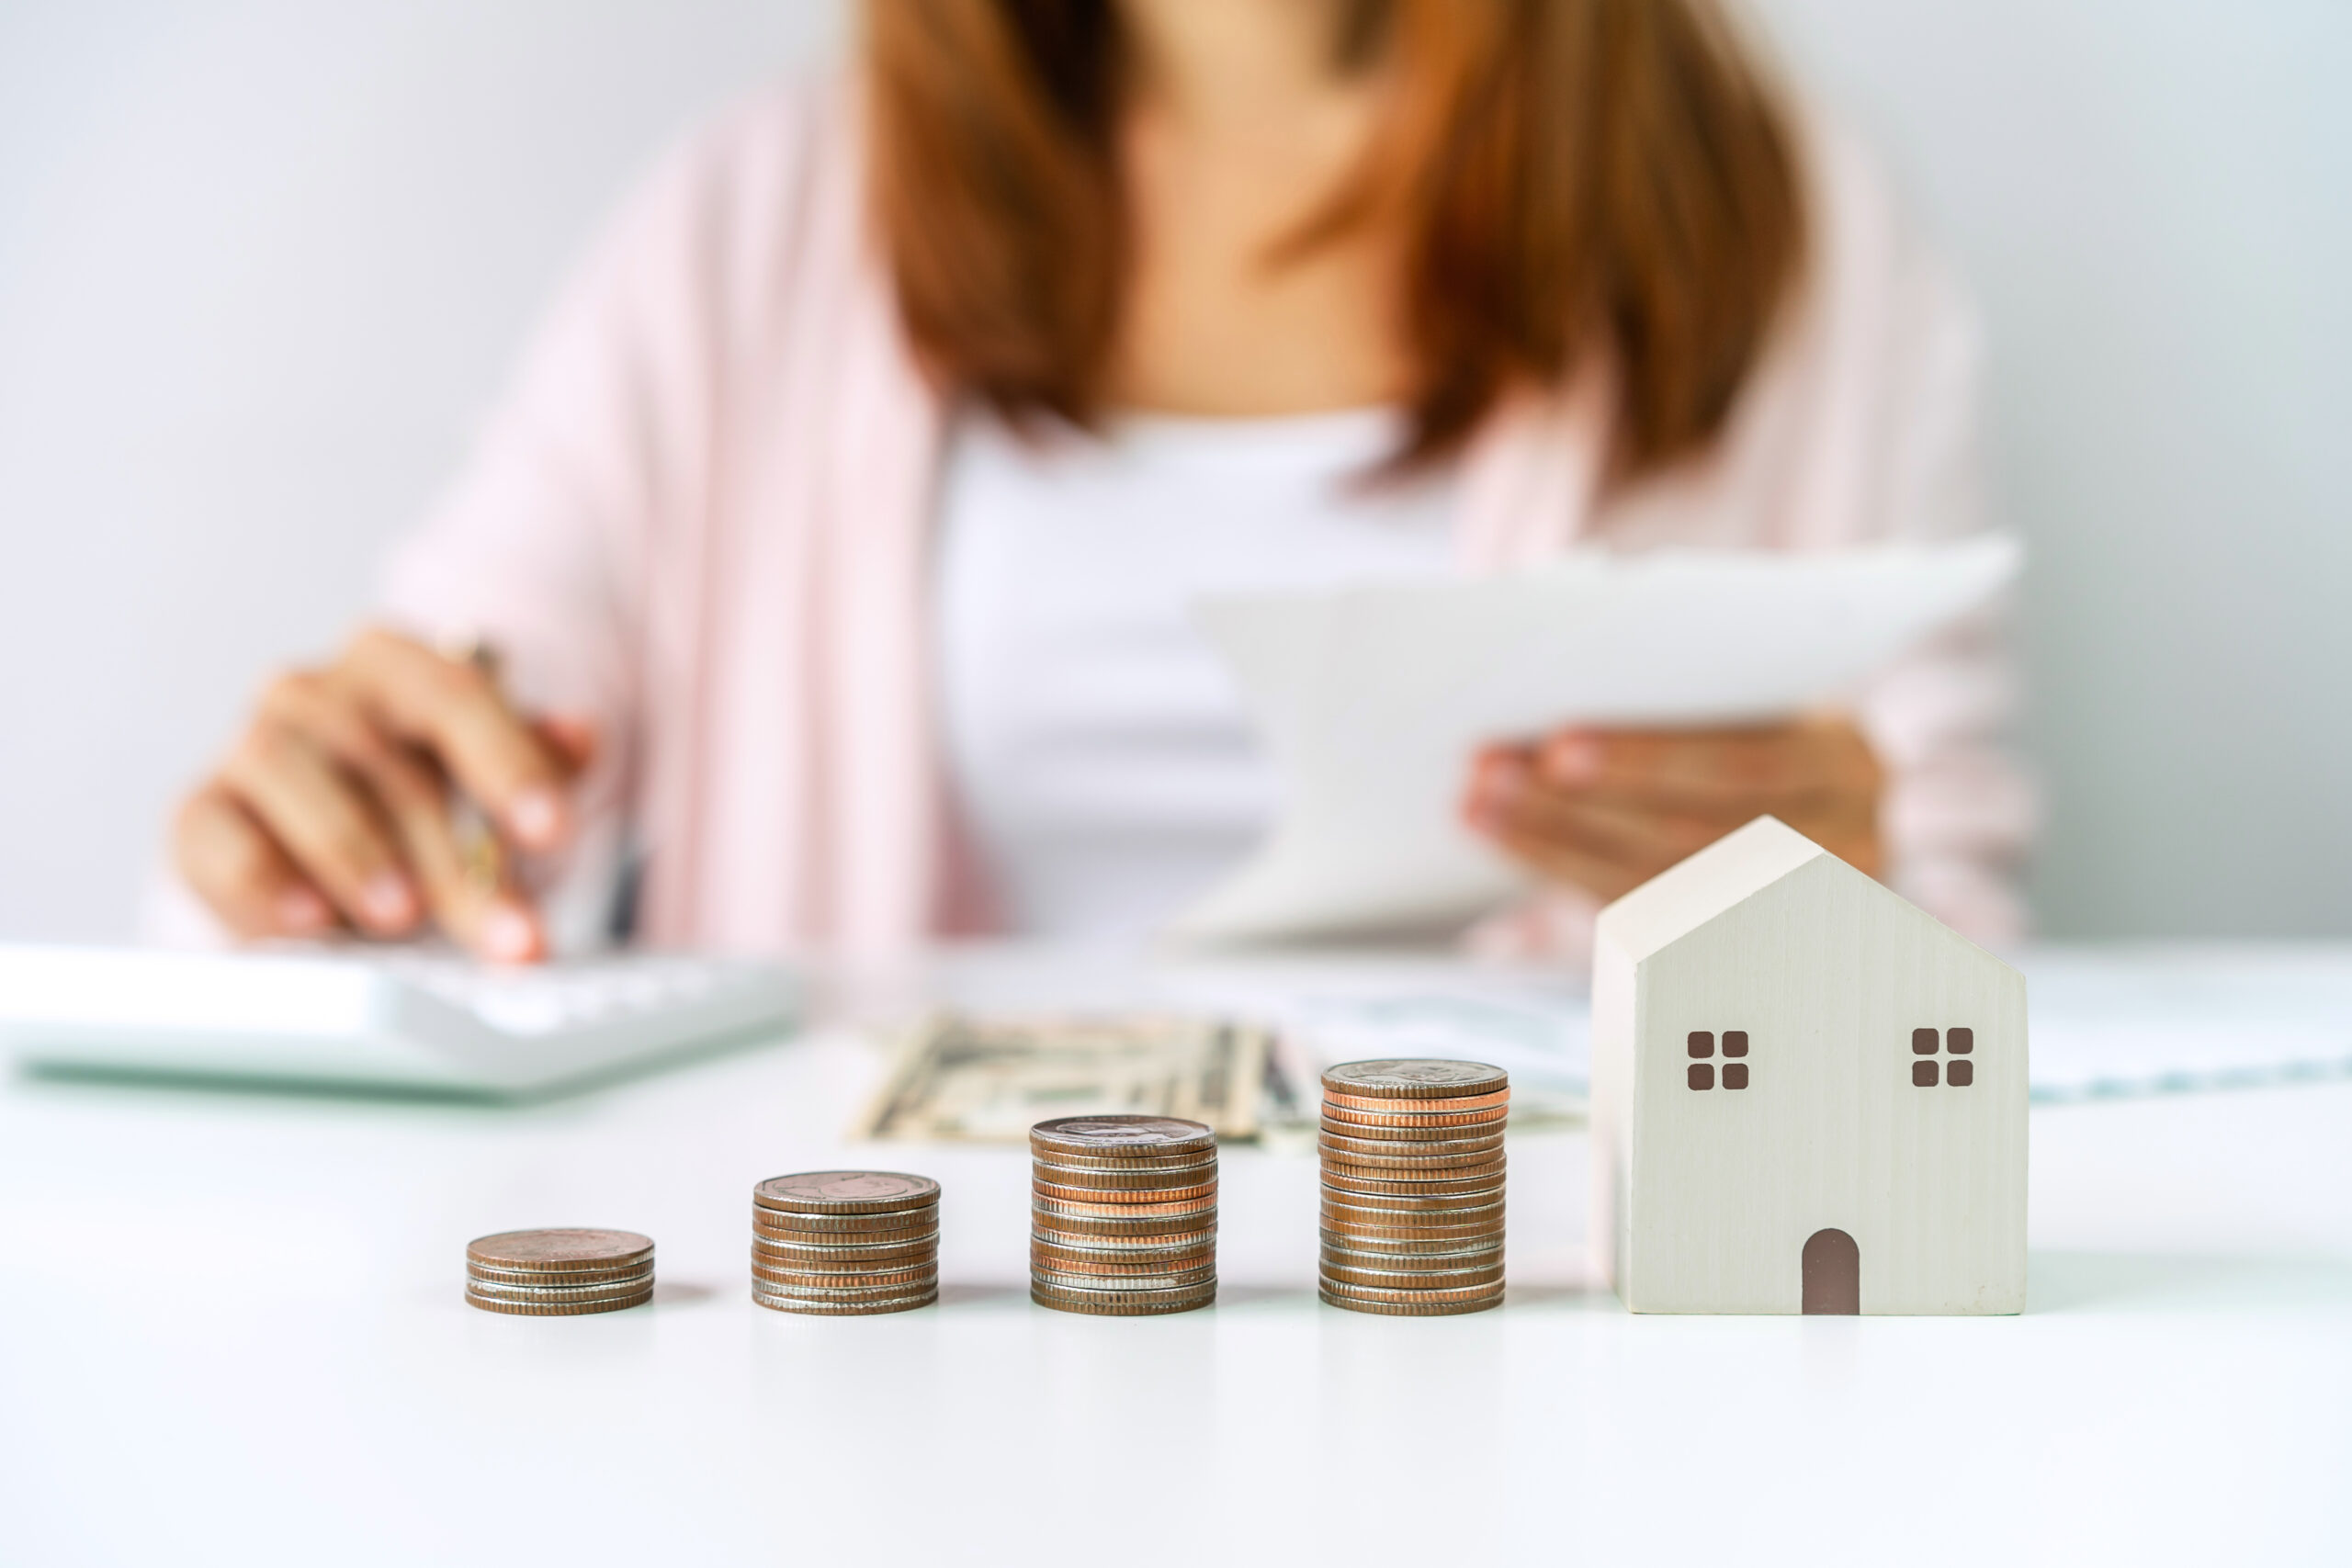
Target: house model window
(1960, 1073)
(1703, 1044)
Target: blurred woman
(838, 536)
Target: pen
(481, 856)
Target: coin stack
(1413, 1186)
(1123, 1214)
(558, 1273)
(845, 1243)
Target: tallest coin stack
(1413, 1186)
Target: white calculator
(380, 1017)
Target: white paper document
(1371, 700)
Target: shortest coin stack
(558, 1273)
(845, 1243)
(1413, 1187)
(1122, 1215)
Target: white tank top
(1099, 752)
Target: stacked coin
(1122, 1215)
(845, 1243)
(1413, 1186)
(558, 1273)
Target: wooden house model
(1808, 1095)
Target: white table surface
(230, 1331)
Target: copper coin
(565, 1292)
(1417, 1272)
(1489, 1166)
(1066, 1232)
(1379, 1142)
(777, 1222)
(1340, 1243)
(1437, 1236)
(1196, 1294)
(554, 1309)
(1380, 1105)
(1124, 1197)
(791, 1280)
(1112, 1135)
(801, 1282)
(1125, 1180)
(838, 1271)
(556, 1295)
(1373, 1293)
(1041, 1218)
(1097, 1307)
(1174, 1280)
(851, 1294)
(1473, 1178)
(1428, 1225)
(899, 1245)
(1120, 1257)
(1106, 1276)
(1069, 1208)
(569, 1279)
(1370, 1165)
(1061, 1160)
(1409, 1214)
(1345, 1273)
(845, 1242)
(1147, 1247)
(872, 1308)
(824, 1251)
(1340, 1116)
(1399, 1241)
(846, 1192)
(1416, 1079)
(1043, 1266)
(560, 1251)
(1410, 1202)
(1402, 1140)
(1411, 1309)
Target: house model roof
(1687, 896)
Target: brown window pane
(1923, 1043)
(1960, 1042)
(1923, 1075)
(1701, 1075)
(1960, 1075)
(1702, 1043)
(1735, 1075)
(1734, 1043)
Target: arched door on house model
(1833, 1274)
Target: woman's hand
(1607, 809)
(336, 804)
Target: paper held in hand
(1371, 700)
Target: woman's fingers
(331, 828)
(456, 711)
(481, 913)
(1604, 846)
(1648, 837)
(1607, 810)
(339, 798)
(230, 861)
(1746, 768)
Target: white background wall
(261, 262)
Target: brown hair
(1571, 177)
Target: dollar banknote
(963, 1077)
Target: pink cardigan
(702, 518)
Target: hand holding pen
(383, 791)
